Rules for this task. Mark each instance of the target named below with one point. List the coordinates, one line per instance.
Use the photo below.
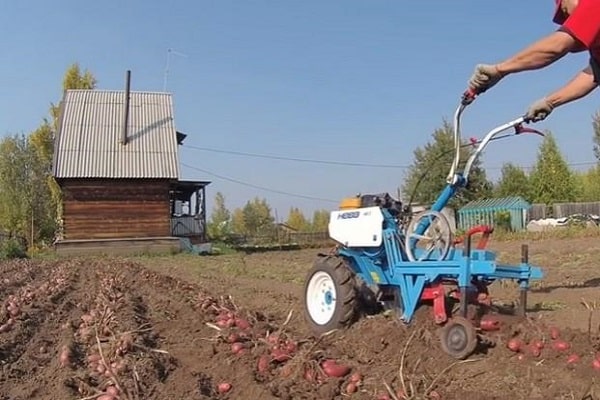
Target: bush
(502, 221)
(12, 248)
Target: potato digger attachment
(380, 247)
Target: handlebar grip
(468, 96)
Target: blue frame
(388, 264)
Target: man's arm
(581, 85)
(540, 54)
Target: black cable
(256, 186)
(307, 160)
(413, 194)
(443, 154)
(317, 161)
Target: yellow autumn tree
(297, 221)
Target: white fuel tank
(358, 227)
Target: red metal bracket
(437, 293)
(485, 230)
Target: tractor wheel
(458, 338)
(330, 296)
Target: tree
(219, 226)
(41, 142)
(16, 195)
(257, 217)
(297, 220)
(238, 225)
(551, 179)
(320, 221)
(588, 184)
(513, 182)
(427, 176)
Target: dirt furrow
(34, 314)
(115, 330)
(174, 307)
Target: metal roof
(87, 143)
(503, 203)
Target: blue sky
(352, 81)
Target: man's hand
(581, 85)
(484, 77)
(539, 110)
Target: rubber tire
(470, 336)
(346, 294)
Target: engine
(359, 221)
(383, 200)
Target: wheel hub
(458, 338)
(437, 236)
(321, 297)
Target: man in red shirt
(579, 31)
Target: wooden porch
(188, 210)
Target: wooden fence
(298, 239)
(561, 210)
(292, 239)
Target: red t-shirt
(584, 25)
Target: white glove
(484, 77)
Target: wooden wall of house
(102, 209)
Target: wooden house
(116, 161)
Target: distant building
(116, 161)
(487, 212)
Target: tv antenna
(169, 52)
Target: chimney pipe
(126, 110)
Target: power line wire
(352, 164)
(258, 187)
(306, 160)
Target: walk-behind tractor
(407, 259)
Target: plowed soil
(230, 327)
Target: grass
(577, 262)
(285, 268)
(567, 232)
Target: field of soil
(231, 327)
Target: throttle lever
(525, 129)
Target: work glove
(484, 77)
(539, 110)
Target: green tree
(41, 142)
(219, 226)
(427, 176)
(588, 184)
(320, 221)
(16, 186)
(238, 225)
(513, 182)
(257, 217)
(297, 220)
(551, 179)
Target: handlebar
(467, 98)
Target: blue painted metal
(328, 298)
(443, 200)
(389, 265)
